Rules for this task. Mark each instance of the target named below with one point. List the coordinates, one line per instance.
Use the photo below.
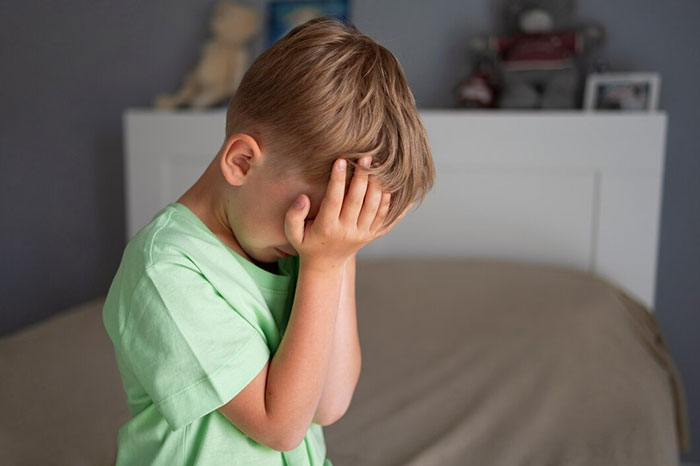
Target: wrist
(322, 265)
(350, 261)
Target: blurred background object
(224, 61)
(622, 91)
(536, 56)
(284, 15)
(479, 89)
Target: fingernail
(341, 165)
(299, 203)
(366, 161)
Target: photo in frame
(638, 91)
(283, 16)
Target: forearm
(298, 369)
(346, 359)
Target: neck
(206, 200)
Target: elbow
(292, 441)
(334, 416)
(289, 443)
(289, 438)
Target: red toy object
(477, 90)
(535, 56)
(543, 50)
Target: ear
(241, 152)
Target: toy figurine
(224, 61)
(536, 59)
(479, 89)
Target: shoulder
(171, 237)
(174, 264)
(165, 246)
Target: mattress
(463, 362)
(506, 363)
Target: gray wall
(69, 69)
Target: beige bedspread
(464, 362)
(488, 363)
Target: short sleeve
(186, 345)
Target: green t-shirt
(192, 323)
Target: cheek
(258, 227)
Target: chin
(260, 256)
(268, 258)
(279, 254)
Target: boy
(232, 313)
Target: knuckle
(374, 200)
(354, 201)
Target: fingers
(355, 197)
(373, 199)
(381, 213)
(332, 201)
(364, 203)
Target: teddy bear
(535, 60)
(224, 60)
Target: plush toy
(224, 61)
(480, 88)
(537, 61)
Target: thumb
(294, 220)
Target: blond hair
(324, 91)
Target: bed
(520, 333)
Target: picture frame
(638, 91)
(284, 15)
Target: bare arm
(298, 369)
(278, 405)
(345, 361)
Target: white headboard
(570, 188)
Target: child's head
(324, 91)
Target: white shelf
(573, 188)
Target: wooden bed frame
(566, 188)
